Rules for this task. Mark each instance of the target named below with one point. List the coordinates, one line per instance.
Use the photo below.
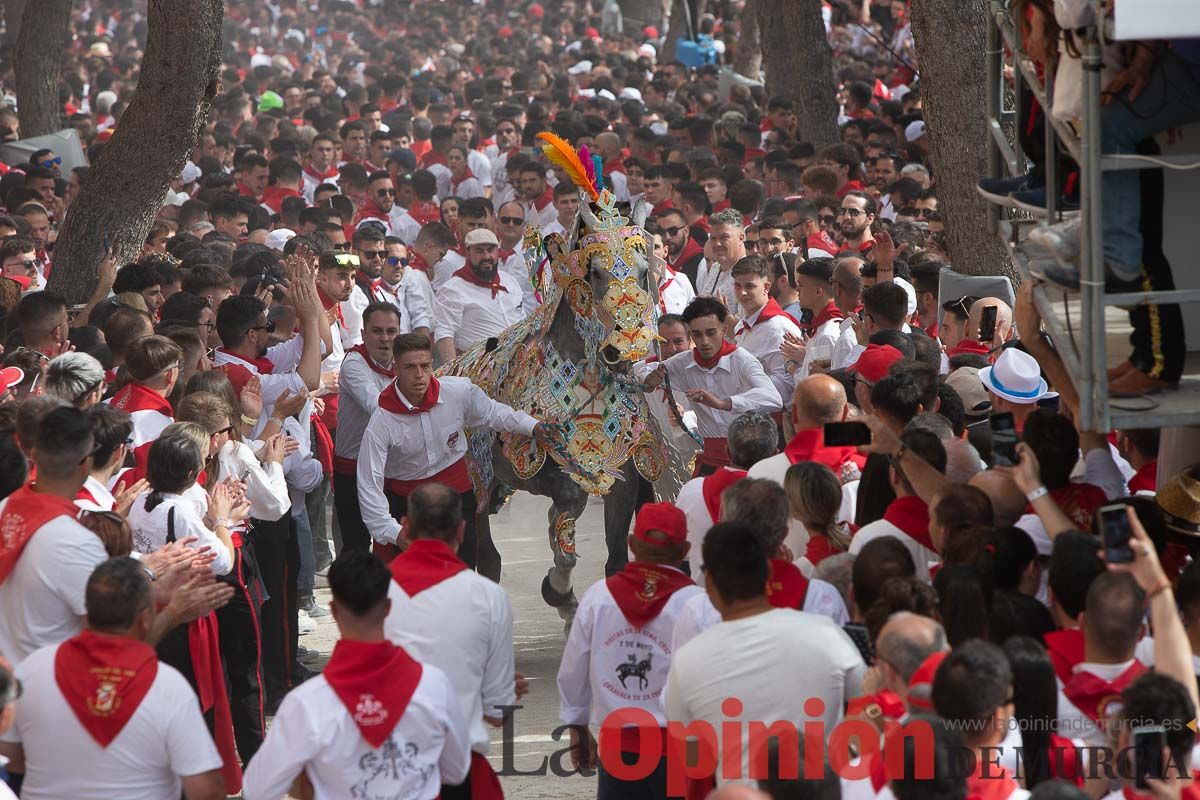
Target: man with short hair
(478, 301)
(566, 205)
(284, 180)
(229, 217)
(814, 280)
(354, 142)
(252, 173)
(764, 325)
(373, 704)
(536, 196)
(855, 217)
(101, 716)
(721, 379)
(111, 432)
(75, 378)
(684, 253)
(320, 167)
(658, 188)
(623, 627)
(474, 214)
(141, 278)
(447, 615)
(726, 246)
(19, 261)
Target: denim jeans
(1171, 98)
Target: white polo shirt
(462, 626)
(738, 376)
(468, 313)
(314, 733)
(166, 738)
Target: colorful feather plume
(562, 155)
(599, 172)
(585, 157)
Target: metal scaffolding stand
(1082, 346)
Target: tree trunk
(180, 76)
(678, 26)
(12, 20)
(954, 99)
(799, 65)
(747, 57)
(38, 63)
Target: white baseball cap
(481, 236)
(914, 131)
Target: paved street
(520, 531)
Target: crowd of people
(893, 516)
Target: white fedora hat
(1016, 377)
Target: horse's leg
(568, 505)
(487, 556)
(619, 507)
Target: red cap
(874, 362)
(537, 11)
(11, 376)
(660, 517)
(592, 33)
(924, 677)
(504, 32)
(650, 32)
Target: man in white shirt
(764, 324)
(111, 432)
(622, 635)
(376, 722)
(417, 435)
(479, 301)
(736, 668)
(451, 617)
(725, 247)
(381, 276)
(566, 205)
(473, 214)
(814, 287)
(101, 717)
(321, 167)
(721, 379)
(536, 196)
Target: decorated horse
(569, 363)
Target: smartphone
(987, 324)
(847, 434)
(1114, 526)
(1004, 439)
(1148, 745)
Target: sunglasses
(28, 264)
(346, 260)
(371, 255)
(207, 325)
(852, 212)
(394, 261)
(675, 231)
(827, 219)
(343, 247)
(52, 162)
(228, 429)
(269, 327)
(386, 192)
(511, 220)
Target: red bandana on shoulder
(375, 682)
(425, 564)
(727, 347)
(770, 310)
(641, 590)
(361, 349)
(911, 515)
(468, 275)
(389, 399)
(787, 585)
(139, 397)
(104, 679)
(828, 313)
(1066, 650)
(26, 511)
(1094, 696)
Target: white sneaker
(1061, 240)
(305, 624)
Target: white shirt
(922, 556)
(481, 166)
(1075, 724)
(441, 174)
(674, 292)
(763, 340)
(311, 183)
(398, 222)
(451, 263)
(302, 472)
(712, 281)
(313, 732)
(738, 376)
(462, 626)
(697, 615)
(467, 188)
(150, 527)
(684, 444)
(820, 347)
(603, 646)
(846, 347)
(42, 599)
(283, 378)
(358, 397)
(468, 313)
(540, 218)
(101, 499)
(755, 658)
(415, 446)
(165, 739)
(514, 266)
(266, 488)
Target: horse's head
(614, 253)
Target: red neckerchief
(1091, 694)
(1064, 760)
(328, 302)
(827, 314)
(968, 346)
(818, 549)
(641, 590)
(787, 585)
(264, 365)
(690, 250)
(546, 199)
(662, 289)
(661, 207)
(321, 177)
(246, 191)
(612, 166)
(721, 205)
(425, 564)
(468, 275)
(424, 212)
(504, 254)
(135, 396)
(418, 261)
(389, 399)
(862, 249)
(821, 240)
(994, 787)
(363, 280)
(273, 197)
(431, 158)
(890, 704)
(771, 309)
(370, 210)
(381, 287)
(849, 186)
(714, 485)
(466, 176)
(726, 348)
(809, 445)
(375, 682)
(1145, 479)
(104, 679)
(322, 438)
(1066, 650)
(911, 515)
(26, 511)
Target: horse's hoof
(554, 598)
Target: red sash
(361, 349)
(468, 275)
(1146, 479)
(968, 346)
(771, 309)
(104, 679)
(1066, 650)
(375, 682)
(425, 564)
(727, 347)
(456, 476)
(26, 511)
(322, 438)
(641, 590)
(787, 585)
(204, 648)
(135, 396)
(484, 783)
(911, 515)
(389, 399)
(1092, 695)
(714, 485)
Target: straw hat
(1179, 501)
